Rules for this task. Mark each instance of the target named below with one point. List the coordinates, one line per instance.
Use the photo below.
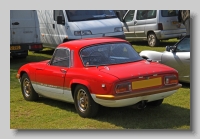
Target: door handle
(54, 26)
(135, 22)
(15, 23)
(63, 70)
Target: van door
(22, 26)
(140, 22)
(59, 29)
(169, 19)
(128, 25)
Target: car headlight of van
(84, 32)
(123, 87)
(118, 29)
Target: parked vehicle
(152, 25)
(24, 33)
(177, 57)
(98, 71)
(58, 26)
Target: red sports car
(98, 71)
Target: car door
(22, 23)
(179, 59)
(128, 25)
(51, 79)
(140, 23)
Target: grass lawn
(174, 113)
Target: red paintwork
(92, 77)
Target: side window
(61, 58)
(141, 14)
(130, 15)
(184, 45)
(57, 13)
(145, 14)
(151, 14)
(169, 13)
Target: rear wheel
(27, 89)
(84, 104)
(155, 103)
(152, 40)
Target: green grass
(174, 113)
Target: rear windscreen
(169, 13)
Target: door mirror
(167, 48)
(170, 48)
(60, 20)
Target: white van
(58, 26)
(24, 33)
(152, 25)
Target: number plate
(147, 83)
(175, 22)
(15, 47)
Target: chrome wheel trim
(27, 87)
(152, 40)
(82, 100)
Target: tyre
(152, 40)
(28, 92)
(84, 104)
(155, 103)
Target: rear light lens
(160, 26)
(36, 46)
(123, 88)
(171, 79)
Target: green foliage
(174, 113)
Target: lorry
(58, 26)
(24, 33)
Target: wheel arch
(74, 83)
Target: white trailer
(58, 26)
(24, 33)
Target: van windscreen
(84, 15)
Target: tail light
(171, 79)
(160, 26)
(36, 46)
(124, 87)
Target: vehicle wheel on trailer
(84, 104)
(27, 89)
(155, 103)
(152, 40)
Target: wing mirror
(60, 20)
(168, 48)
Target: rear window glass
(108, 54)
(169, 13)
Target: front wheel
(27, 89)
(152, 40)
(84, 104)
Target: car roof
(78, 44)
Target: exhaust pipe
(142, 104)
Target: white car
(176, 56)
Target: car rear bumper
(133, 98)
(169, 34)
